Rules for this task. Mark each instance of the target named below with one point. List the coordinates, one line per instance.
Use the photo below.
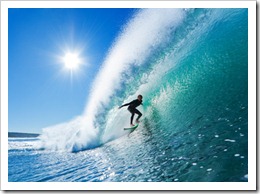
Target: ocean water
(191, 66)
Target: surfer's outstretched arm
(124, 105)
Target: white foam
(71, 136)
(230, 140)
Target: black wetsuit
(132, 109)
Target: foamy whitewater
(190, 65)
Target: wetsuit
(132, 109)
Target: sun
(71, 61)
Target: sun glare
(71, 61)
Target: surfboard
(131, 128)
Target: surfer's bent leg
(132, 117)
(139, 114)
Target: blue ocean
(191, 66)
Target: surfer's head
(140, 97)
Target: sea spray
(69, 136)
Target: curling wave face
(190, 65)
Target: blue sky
(41, 92)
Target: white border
(250, 185)
(128, 4)
(252, 95)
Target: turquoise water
(193, 76)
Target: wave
(146, 31)
(155, 55)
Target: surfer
(132, 108)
